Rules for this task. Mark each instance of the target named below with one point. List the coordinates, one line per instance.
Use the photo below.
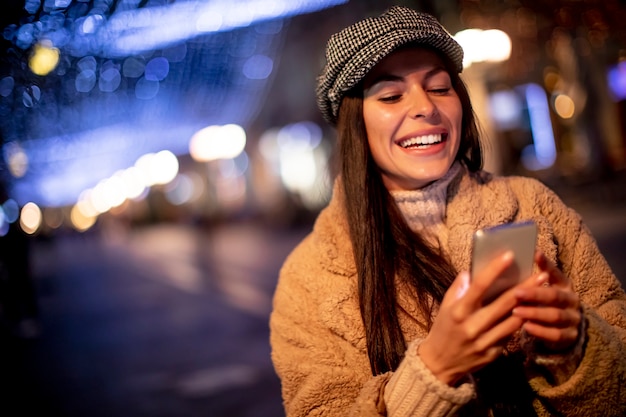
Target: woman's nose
(421, 104)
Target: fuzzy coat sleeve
(322, 372)
(596, 387)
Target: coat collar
(478, 200)
(475, 201)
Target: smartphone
(521, 238)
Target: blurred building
(154, 110)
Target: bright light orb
(44, 59)
(80, 220)
(217, 142)
(30, 218)
(164, 167)
(564, 106)
(483, 46)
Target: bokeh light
(564, 106)
(217, 142)
(11, 210)
(479, 45)
(294, 153)
(4, 223)
(258, 67)
(30, 218)
(126, 80)
(44, 58)
(16, 159)
(164, 168)
(53, 217)
(80, 220)
(184, 189)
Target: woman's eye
(390, 98)
(440, 91)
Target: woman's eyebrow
(388, 77)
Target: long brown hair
(384, 246)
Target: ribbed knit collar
(425, 208)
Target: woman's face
(412, 118)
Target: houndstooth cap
(352, 52)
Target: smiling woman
(375, 313)
(412, 118)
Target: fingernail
(508, 255)
(465, 278)
(543, 278)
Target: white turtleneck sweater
(425, 209)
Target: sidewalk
(163, 322)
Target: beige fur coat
(317, 337)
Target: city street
(162, 321)
(171, 320)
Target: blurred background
(160, 159)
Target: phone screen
(488, 243)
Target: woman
(374, 312)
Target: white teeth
(421, 140)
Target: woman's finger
(553, 337)
(549, 316)
(498, 334)
(547, 296)
(487, 317)
(557, 278)
(467, 292)
(483, 280)
(458, 288)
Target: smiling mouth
(422, 141)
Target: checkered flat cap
(352, 52)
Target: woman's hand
(550, 313)
(466, 335)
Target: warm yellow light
(80, 220)
(564, 106)
(44, 59)
(479, 45)
(551, 79)
(30, 218)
